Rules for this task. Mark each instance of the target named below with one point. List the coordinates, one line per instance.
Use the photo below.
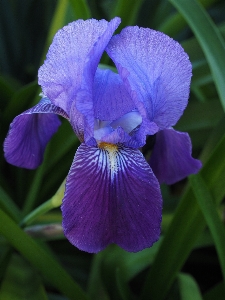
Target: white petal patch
(109, 154)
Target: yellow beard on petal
(111, 150)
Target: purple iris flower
(112, 194)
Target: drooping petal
(171, 158)
(29, 134)
(111, 99)
(112, 196)
(156, 68)
(72, 60)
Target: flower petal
(171, 158)
(156, 68)
(112, 196)
(72, 59)
(29, 134)
(128, 122)
(111, 99)
(116, 136)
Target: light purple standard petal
(29, 134)
(171, 158)
(156, 68)
(72, 59)
(111, 196)
(111, 99)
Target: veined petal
(111, 99)
(117, 136)
(102, 132)
(72, 60)
(171, 158)
(29, 134)
(156, 68)
(128, 122)
(111, 196)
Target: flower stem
(54, 202)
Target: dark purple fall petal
(156, 68)
(72, 60)
(111, 196)
(29, 134)
(171, 158)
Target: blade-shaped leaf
(175, 23)
(209, 38)
(39, 258)
(122, 8)
(211, 216)
(186, 226)
(188, 287)
(21, 282)
(7, 204)
(80, 9)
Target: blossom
(112, 194)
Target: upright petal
(111, 99)
(111, 196)
(72, 59)
(113, 102)
(29, 134)
(171, 158)
(156, 68)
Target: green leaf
(40, 259)
(127, 10)
(214, 138)
(80, 9)
(200, 116)
(5, 256)
(21, 282)
(188, 287)
(186, 227)
(175, 23)
(118, 267)
(122, 287)
(211, 216)
(217, 292)
(96, 289)
(67, 139)
(20, 101)
(33, 190)
(7, 204)
(209, 38)
(7, 89)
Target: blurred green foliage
(188, 261)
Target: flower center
(107, 146)
(111, 150)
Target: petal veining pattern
(30, 132)
(156, 67)
(171, 158)
(111, 198)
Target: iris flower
(112, 194)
